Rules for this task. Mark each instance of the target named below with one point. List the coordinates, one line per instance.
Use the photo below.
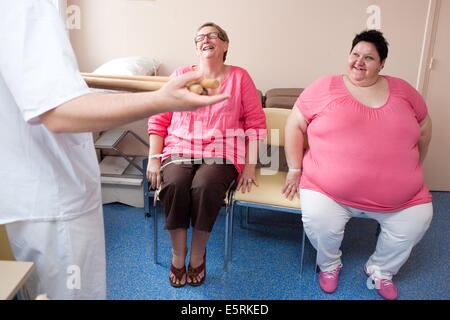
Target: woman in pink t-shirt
(368, 135)
(203, 152)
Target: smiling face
(210, 48)
(364, 63)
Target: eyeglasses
(210, 35)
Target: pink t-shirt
(366, 158)
(217, 131)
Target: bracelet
(155, 156)
(294, 170)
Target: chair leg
(147, 201)
(244, 217)
(227, 240)
(146, 204)
(230, 247)
(155, 235)
(229, 233)
(146, 191)
(241, 219)
(302, 251)
(316, 268)
(247, 216)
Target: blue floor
(266, 260)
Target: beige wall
(284, 43)
(5, 249)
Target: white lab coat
(45, 177)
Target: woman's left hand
(248, 178)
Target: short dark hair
(222, 34)
(376, 38)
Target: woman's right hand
(290, 189)
(154, 173)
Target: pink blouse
(217, 131)
(366, 158)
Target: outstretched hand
(176, 97)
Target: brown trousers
(194, 191)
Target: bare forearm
(294, 132)
(293, 147)
(97, 112)
(294, 150)
(156, 144)
(154, 164)
(251, 153)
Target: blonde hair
(222, 34)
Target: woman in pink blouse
(196, 156)
(368, 135)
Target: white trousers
(69, 256)
(324, 221)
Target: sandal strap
(178, 272)
(196, 271)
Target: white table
(13, 275)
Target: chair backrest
(284, 92)
(282, 97)
(276, 121)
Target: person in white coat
(50, 199)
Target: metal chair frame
(229, 227)
(151, 210)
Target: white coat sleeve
(37, 61)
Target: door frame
(428, 44)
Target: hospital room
(225, 153)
